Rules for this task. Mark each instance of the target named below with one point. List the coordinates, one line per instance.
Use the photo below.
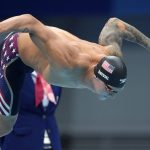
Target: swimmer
(62, 58)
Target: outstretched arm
(116, 30)
(42, 36)
(26, 23)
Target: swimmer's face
(103, 90)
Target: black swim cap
(112, 71)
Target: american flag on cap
(108, 67)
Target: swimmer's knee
(6, 124)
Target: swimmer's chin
(103, 98)
(106, 97)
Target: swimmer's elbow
(34, 26)
(24, 23)
(6, 124)
(30, 20)
(113, 21)
(21, 23)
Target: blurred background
(85, 122)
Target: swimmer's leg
(12, 72)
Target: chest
(70, 78)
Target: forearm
(22, 23)
(6, 124)
(115, 31)
(132, 34)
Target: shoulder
(62, 33)
(111, 50)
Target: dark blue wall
(45, 8)
(41, 8)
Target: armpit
(112, 51)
